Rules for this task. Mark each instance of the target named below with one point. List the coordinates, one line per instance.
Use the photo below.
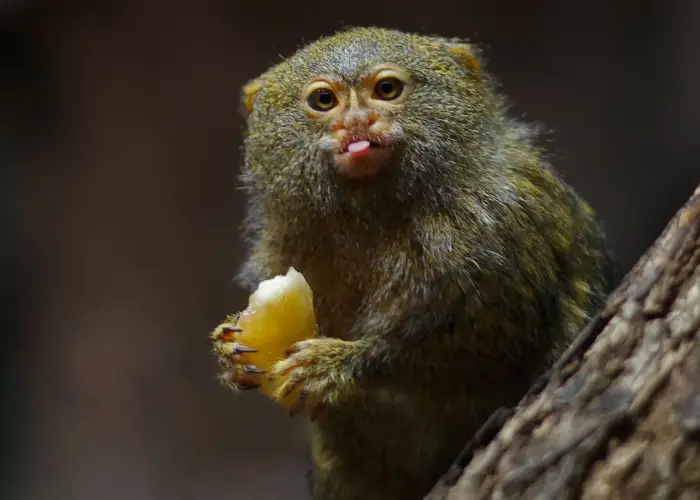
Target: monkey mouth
(361, 158)
(359, 148)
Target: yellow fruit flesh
(279, 313)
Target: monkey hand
(318, 371)
(238, 371)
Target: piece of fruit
(280, 313)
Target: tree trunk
(618, 416)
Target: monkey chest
(340, 289)
(344, 280)
(355, 274)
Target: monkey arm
(425, 349)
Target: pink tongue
(358, 148)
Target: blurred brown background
(119, 137)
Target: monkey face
(364, 116)
(360, 135)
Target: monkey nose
(361, 119)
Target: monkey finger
(292, 382)
(298, 347)
(252, 369)
(284, 367)
(281, 368)
(246, 386)
(230, 327)
(242, 349)
(233, 379)
(226, 332)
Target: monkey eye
(322, 99)
(388, 89)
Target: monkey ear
(249, 93)
(466, 56)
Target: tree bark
(618, 416)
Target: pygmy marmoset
(449, 263)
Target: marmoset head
(368, 114)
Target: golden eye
(388, 89)
(322, 99)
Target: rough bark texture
(618, 416)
